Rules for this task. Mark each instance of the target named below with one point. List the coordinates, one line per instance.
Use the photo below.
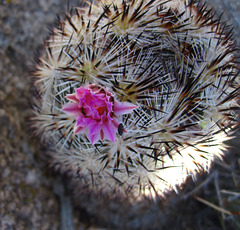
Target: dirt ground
(33, 197)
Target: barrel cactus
(134, 95)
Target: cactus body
(172, 68)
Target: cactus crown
(132, 90)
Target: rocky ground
(33, 197)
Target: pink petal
(80, 92)
(115, 122)
(101, 134)
(78, 129)
(94, 133)
(71, 97)
(71, 108)
(93, 138)
(80, 120)
(94, 129)
(109, 131)
(89, 121)
(123, 107)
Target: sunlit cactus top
(135, 95)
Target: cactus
(133, 96)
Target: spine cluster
(167, 86)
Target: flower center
(100, 110)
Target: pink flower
(96, 112)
